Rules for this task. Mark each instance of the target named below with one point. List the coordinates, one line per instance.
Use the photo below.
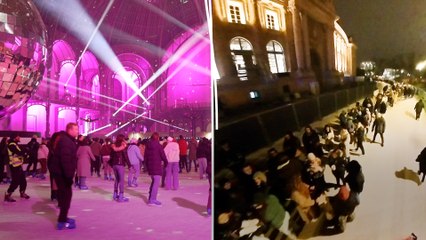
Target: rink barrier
(263, 128)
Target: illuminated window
(241, 50)
(272, 20)
(276, 57)
(254, 94)
(236, 12)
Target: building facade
(265, 50)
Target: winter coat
(183, 147)
(421, 159)
(43, 152)
(64, 159)
(355, 181)
(204, 150)
(33, 148)
(310, 142)
(419, 106)
(134, 153)
(154, 155)
(172, 152)
(192, 146)
(96, 148)
(119, 155)
(274, 212)
(379, 125)
(359, 134)
(84, 156)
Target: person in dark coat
(311, 142)
(355, 177)
(154, 155)
(379, 126)
(337, 164)
(118, 160)
(62, 166)
(32, 147)
(51, 145)
(203, 152)
(419, 107)
(16, 160)
(291, 144)
(421, 159)
(4, 157)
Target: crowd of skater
(276, 198)
(73, 160)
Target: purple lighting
(190, 85)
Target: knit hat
(170, 139)
(311, 156)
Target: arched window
(276, 57)
(241, 51)
(96, 88)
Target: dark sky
(384, 28)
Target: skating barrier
(263, 128)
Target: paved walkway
(182, 216)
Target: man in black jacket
(16, 159)
(62, 167)
(32, 147)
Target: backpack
(105, 150)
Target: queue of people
(289, 189)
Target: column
(47, 134)
(306, 44)
(329, 31)
(49, 76)
(298, 38)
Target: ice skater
(419, 107)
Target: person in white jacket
(42, 153)
(135, 158)
(172, 170)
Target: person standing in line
(379, 127)
(62, 167)
(84, 159)
(16, 159)
(119, 159)
(51, 144)
(192, 156)
(43, 152)
(172, 170)
(154, 156)
(32, 147)
(419, 107)
(135, 158)
(359, 135)
(183, 154)
(4, 158)
(203, 152)
(106, 156)
(95, 165)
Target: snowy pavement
(393, 205)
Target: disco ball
(23, 53)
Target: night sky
(384, 28)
